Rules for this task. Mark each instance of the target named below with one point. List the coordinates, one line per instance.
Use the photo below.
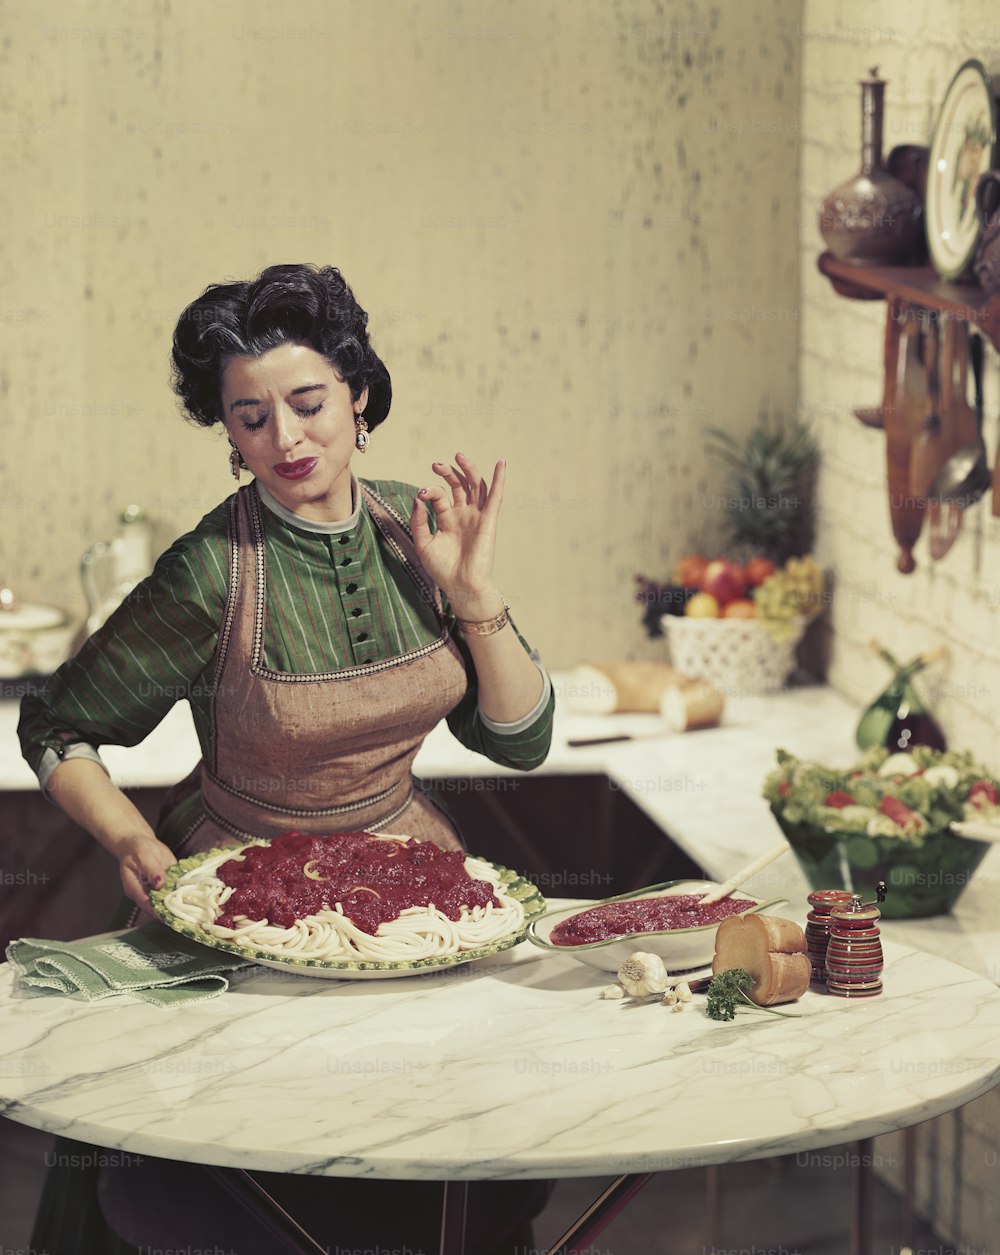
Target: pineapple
(770, 486)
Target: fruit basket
(737, 656)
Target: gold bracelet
(487, 626)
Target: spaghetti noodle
(354, 897)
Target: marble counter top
(654, 772)
(508, 1068)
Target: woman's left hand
(459, 555)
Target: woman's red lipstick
(295, 470)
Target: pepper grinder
(854, 952)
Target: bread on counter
(606, 688)
(771, 949)
(691, 706)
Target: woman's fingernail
(422, 492)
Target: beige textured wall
(917, 47)
(569, 220)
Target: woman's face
(292, 418)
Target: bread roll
(696, 705)
(607, 687)
(771, 949)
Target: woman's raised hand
(459, 555)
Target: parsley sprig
(727, 994)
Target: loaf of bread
(772, 950)
(607, 687)
(691, 706)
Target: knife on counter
(577, 742)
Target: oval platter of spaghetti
(349, 906)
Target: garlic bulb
(642, 974)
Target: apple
(757, 570)
(702, 606)
(724, 580)
(688, 570)
(741, 608)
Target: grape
(796, 591)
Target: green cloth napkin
(150, 962)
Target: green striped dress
(337, 596)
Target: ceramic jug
(874, 218)
(110, 569)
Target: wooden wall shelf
(916, 285)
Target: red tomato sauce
(643, 915)
(373, 879)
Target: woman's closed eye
(306, 413)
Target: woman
(319, 625)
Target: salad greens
(901, 795)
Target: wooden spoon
(927, 453)
(902, 369)
(751, 869)
(978, 830)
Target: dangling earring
(235, 461)
(361, 436)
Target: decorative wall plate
(963, 148)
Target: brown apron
(319, 753)
(322, 754)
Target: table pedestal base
(579, 1236)
(292, 1239)
(289, 1237)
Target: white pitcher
(110, 569)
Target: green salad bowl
(921, 880)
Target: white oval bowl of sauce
(683, 946)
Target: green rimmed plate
(514, 886)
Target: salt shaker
(854, 951)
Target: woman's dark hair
(290, 303)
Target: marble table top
(512, 1067)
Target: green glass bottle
(898, 718)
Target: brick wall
(917, 47)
